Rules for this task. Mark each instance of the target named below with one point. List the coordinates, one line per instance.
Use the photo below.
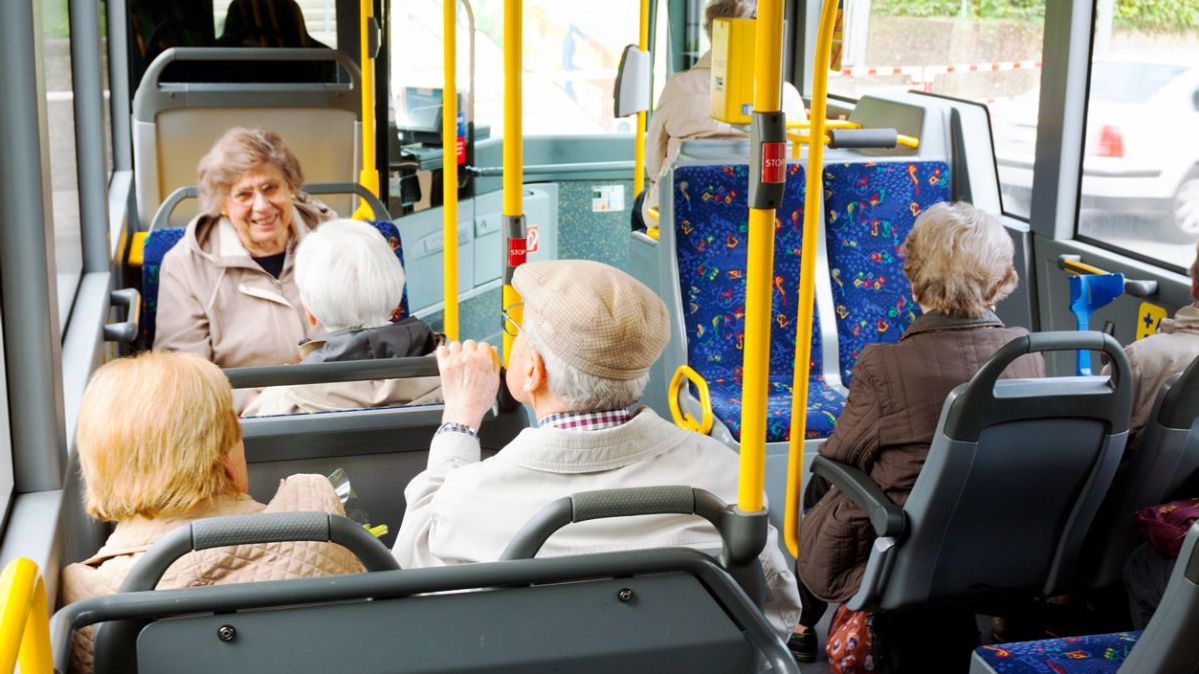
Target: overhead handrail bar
(768, 175)
(807, 276)
(514, 214)
(1073, 264)
(449, 165)
(24, 619)
(554, 169)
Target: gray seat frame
(983, 518)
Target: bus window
(1140, 178)
(988, 52)
(661, 54)
(570, 57)
(275, 23)
(64, 183)
(6, 475)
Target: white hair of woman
(348, 276)
(581, 391)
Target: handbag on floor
(850, 644)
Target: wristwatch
(455, 427)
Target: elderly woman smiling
(959, 262)
(227, 291)
(160, 446)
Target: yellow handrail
(686, 419)
(513, 162)
(759, 274)
(807, 276)
(639, 143)
(900, 139)
(24, 620)
(368, 177)
(828, 124)
(449, 165)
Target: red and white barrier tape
(924, 73)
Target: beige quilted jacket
(104, 572)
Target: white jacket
(463, 510)
(682, 113)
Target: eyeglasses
(511, 326)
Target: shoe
(803, 646)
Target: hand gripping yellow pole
(24, 620)
(449, 165)
(639, 143)
(368, 177)
(807, 275)
(768, 173)
(514, 216)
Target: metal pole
(87, 81)
(32, 344)
(514, 214)
(118, 86)
(449, 164)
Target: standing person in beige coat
(1156, 358)
(683, 109)
(580, 360)
(959, 262)
(160, 446)
(227, 290)
(350, 282)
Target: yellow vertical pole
(807, 286)
(639, 144)
(449, 164)
(760, 270)
(368, 177)
(513, 162)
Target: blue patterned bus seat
(163, 239)
(1096, 654)
(869, 210)
(711, 224)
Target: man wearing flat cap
(580, 360)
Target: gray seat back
(175, 123)
(663, 610)
(1160, 459)
(1168, 643)
(1014, 477)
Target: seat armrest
(887, 518)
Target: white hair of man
(580, 391)
(348, 276)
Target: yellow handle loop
(686, 419)
(24, 619)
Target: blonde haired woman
(959, 262)
(227, 291)
(159, 446)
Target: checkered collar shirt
(585, 421)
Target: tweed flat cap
(595, 317)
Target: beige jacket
(683, 113)
(463, 510)
(1157, 357)
(103, 573)
(215, 301)
(407, 338)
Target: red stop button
(774, 163)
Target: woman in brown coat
(227, 290)
(160, 446)
(959, 262)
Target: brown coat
(215, 301)
(103, 573)
(895, 400)
(1156, 358)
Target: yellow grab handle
(686, 419)
(368, 177)
(653, 233)
(654, 214)
(137, 248)
(24, 619)
(828, 124)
